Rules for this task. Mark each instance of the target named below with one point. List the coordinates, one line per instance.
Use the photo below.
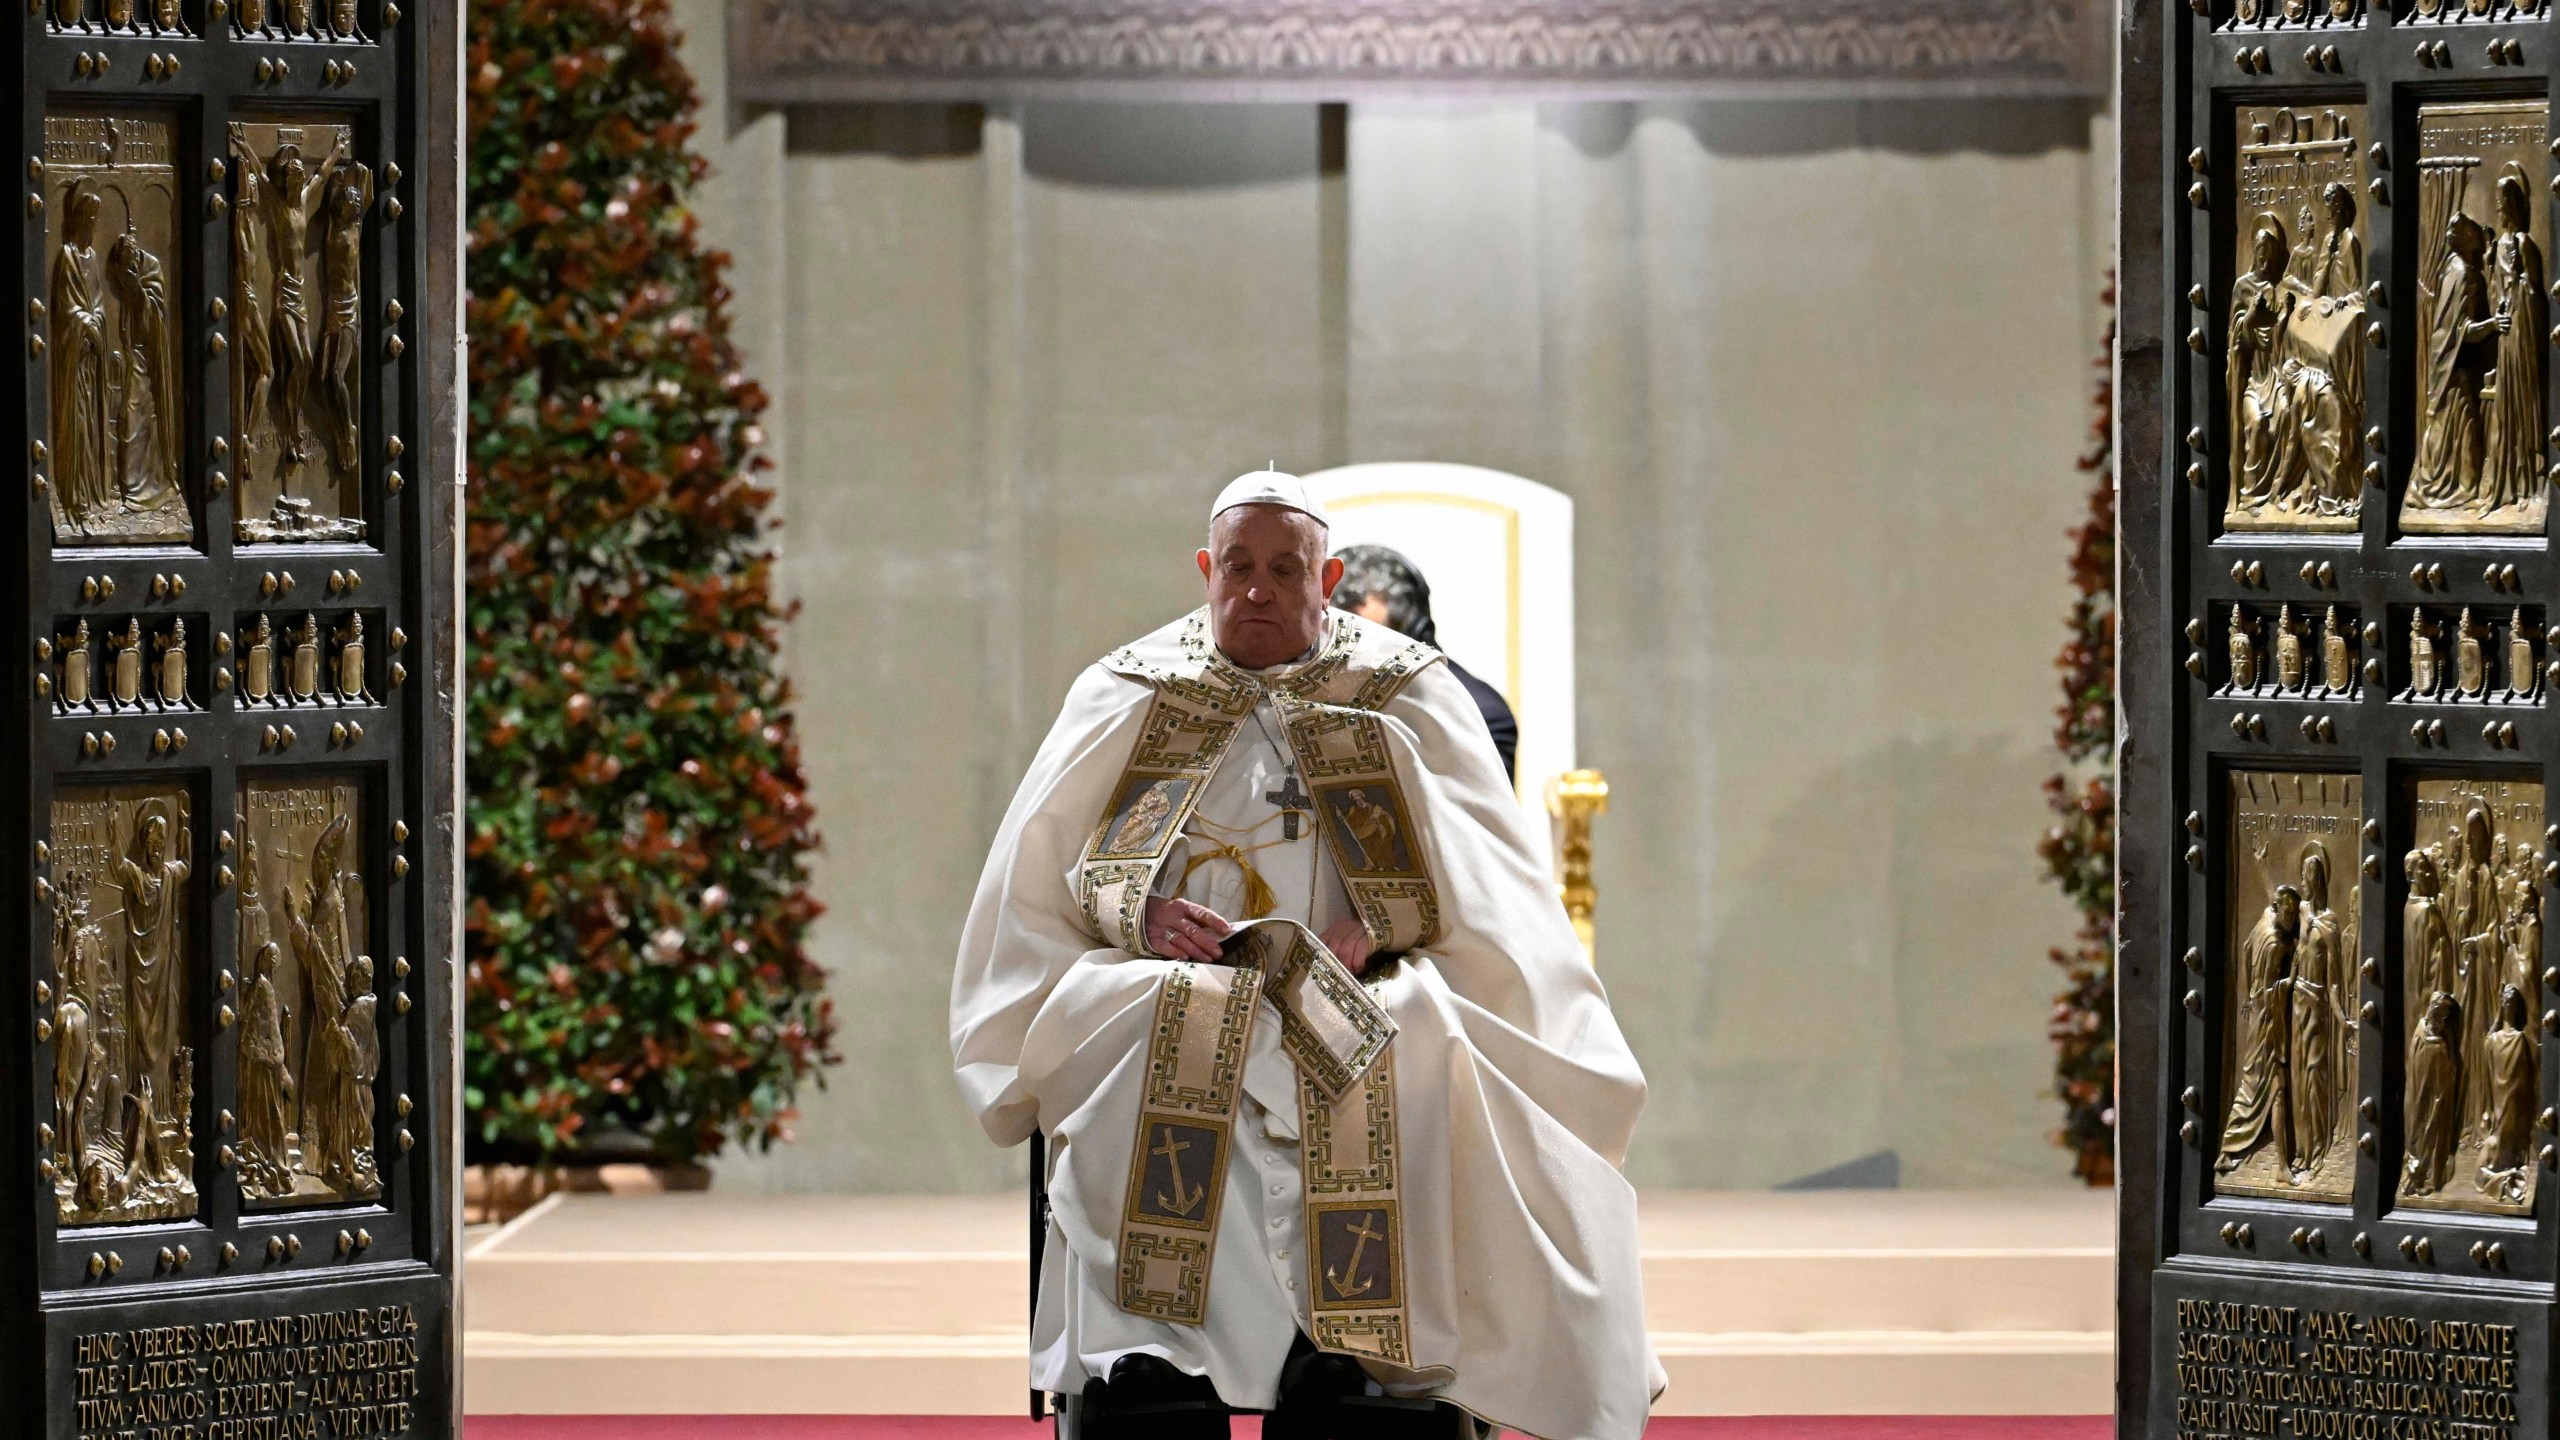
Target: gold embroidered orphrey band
(1332, 1028)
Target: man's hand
(1350, 944)
(1180, 930)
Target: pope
(1335, 1104)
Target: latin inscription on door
(2350, 1373)
(335, 1360)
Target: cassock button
(1279, 1220)
(1276, 1190)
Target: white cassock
(1517, 1284)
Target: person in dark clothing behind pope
(1379, 584)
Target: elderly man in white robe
(1273, 1184)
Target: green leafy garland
(638, 825)
(2079, 851)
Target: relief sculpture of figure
(2323, 371)
(2435, 1102)
(2524, 678)
(2426, 939)
(2337, 660)
(77, 677)
(173, 665)
(2244, 651)
(125, 671)
(258, 663)
(2512, 473)
(252, 278)
(323, 1057)
(302, 676)
(330, 888)
(2453, 441)
(82, 362)
(146, 1158)
(2424, 674)
(337, 1145)
(153, 409)
(2470, 656)
(346, 1148)
(255, 928)
(343, 271)
(79, 1058)
(154, 883)
(2292, 673)
(2266, 446)
(2524, 937)
(351, 686)
(2474, 902)
(105, 996)
(294, 184)
(2261, 1110)
(2320, 1025)
(2336, 274)
(266, 1083)
(2512, 1064)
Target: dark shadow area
(1879, 1171)
(908, 132)
(1777, 129)
(1171, 147)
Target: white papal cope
(1473, 1238)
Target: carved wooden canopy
(787, 51)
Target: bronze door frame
(2183, 76)
(398, 88)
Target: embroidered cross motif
(1293, 802)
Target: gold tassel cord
(1258, 899)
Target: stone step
(1879, 1303)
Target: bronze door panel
(232, 815)
(2290, 1038)
(119, 413)
(2336, 1126)
(123, 1113)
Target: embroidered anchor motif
(1361, 1235)
(1182, 1201)
(1292, 802)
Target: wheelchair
(1322, 1397)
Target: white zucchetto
(1268, 487)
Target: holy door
(226, 1030)
(2340, 652)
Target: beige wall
(1814, 374)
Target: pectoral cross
(1293, 802)
(1361, 1235)
(1182, 1201)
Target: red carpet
(988, 1427)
